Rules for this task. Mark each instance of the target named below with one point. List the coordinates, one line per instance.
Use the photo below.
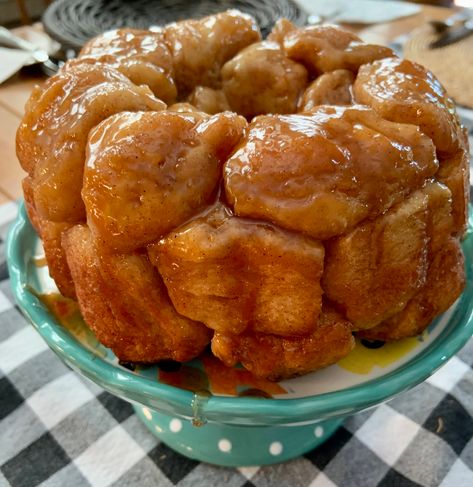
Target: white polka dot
(175, 425)
(224, 445)
(275, 448)
(147, 413)
(158, 428)
(319, 432)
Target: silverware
(454, 29)
(454, 34)
(48, 64)
(9, 39)
(441, 26)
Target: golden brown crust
(249, 224)
(132, 201)
(27, 185)
(444, 283)
(51, 234)
(276, 357)
(124, 301)
(445, 273)
(262, 79)
(323, 172)
(373, 271)
(236, 275)
(454, 172)
(83, 262)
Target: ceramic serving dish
(225, 416)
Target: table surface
(57, 430)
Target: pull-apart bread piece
(379, 272)
(235, 274)
(148, 172)
(198, 184)
(325, 48)
(200, 48)
(124, 301)
(277, 357)
(323, 172)
(51, 143)
(332, 88)
(263, 79)
(141, 55)
(403, 91)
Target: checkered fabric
(57, 429)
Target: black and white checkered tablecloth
(58, 430)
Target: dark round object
(169, 365)
(74, 22)
(372, 343)
(128, 365)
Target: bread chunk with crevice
(235, 275)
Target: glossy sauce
(362, 360)
(347, 164)
(216, 378)
(141, 55)
(40, 261)
(132, 204)
(403, 91)
(67, 312)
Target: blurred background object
(357, 11)
(14, 12)
(73, 22)
(17, 12)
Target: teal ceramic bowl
(237, 430)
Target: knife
(453, 35)
(49, 65)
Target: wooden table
(15, 92)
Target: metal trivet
(73, 22)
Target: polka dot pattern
(175, 425)
(225, 445)
(275, 448)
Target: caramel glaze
(131, 203)
(141, 55)
(246, 229)
(200, 48)
(403, 91)
(216, 378)
(60, 116)
(347, 164)
(262, 79)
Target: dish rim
(19, 250)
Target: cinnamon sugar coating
(198, 184)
